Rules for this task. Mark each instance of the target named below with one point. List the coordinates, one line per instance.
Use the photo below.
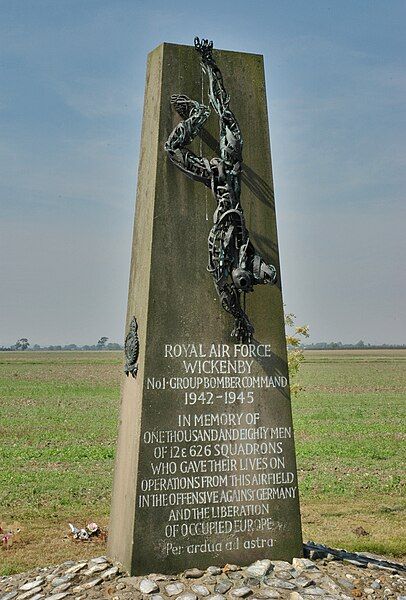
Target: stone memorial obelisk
(205, 470)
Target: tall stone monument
(205, 470)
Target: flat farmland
(58, 426)
(350, 439)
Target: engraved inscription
(217, 466)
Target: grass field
(58, 427)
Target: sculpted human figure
(234, 263)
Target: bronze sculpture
(131, 349)
(233, 261)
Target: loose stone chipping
(241, 592)
(260, 568)
(228, 567)
(31, 585)
(222, 587)
(76, 568)
(303, 564)
(280, 583)
(313, 591)
(99, 560)
(87, 585)
(29, 593)
(147, 586)
(200, 590)
(311, 580)
(304, 582)
(214, 570)
(57, 581)
(287, 574)
(96, 568)
(187, 596)
(235, 576)
(173, 589)
(109, 574)
(193, 573)
(251, 582)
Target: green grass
(59, 415)
(58, 425)
(350, 434)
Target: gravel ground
(303, 579)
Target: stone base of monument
(302, 579)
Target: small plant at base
(295, 353)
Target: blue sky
(72, 82)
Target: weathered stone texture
(174, 300)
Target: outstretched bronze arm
(195, 115)
(230, 134)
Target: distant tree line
(361, 345)
(293, 343)
(24, 344)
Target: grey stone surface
(259, 568)
(147, 586)
(76, 568)
(99, 560)
(280, 583)
(284, 575)
(333, 581)
(303, 564)
(313, 591)
(200, 590)
(62, 588)
(57, 581)
(222, 586)
(303, 581)
(241, 592)
(344, 582)
(109, 573)
(187, 596)
(96, 568)
(32, 584)
(193, 573)
(89, 584)
(9, 596)
(29, 593)
(251, 581)
(235, 575)
(173, 589)
(174, 300)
